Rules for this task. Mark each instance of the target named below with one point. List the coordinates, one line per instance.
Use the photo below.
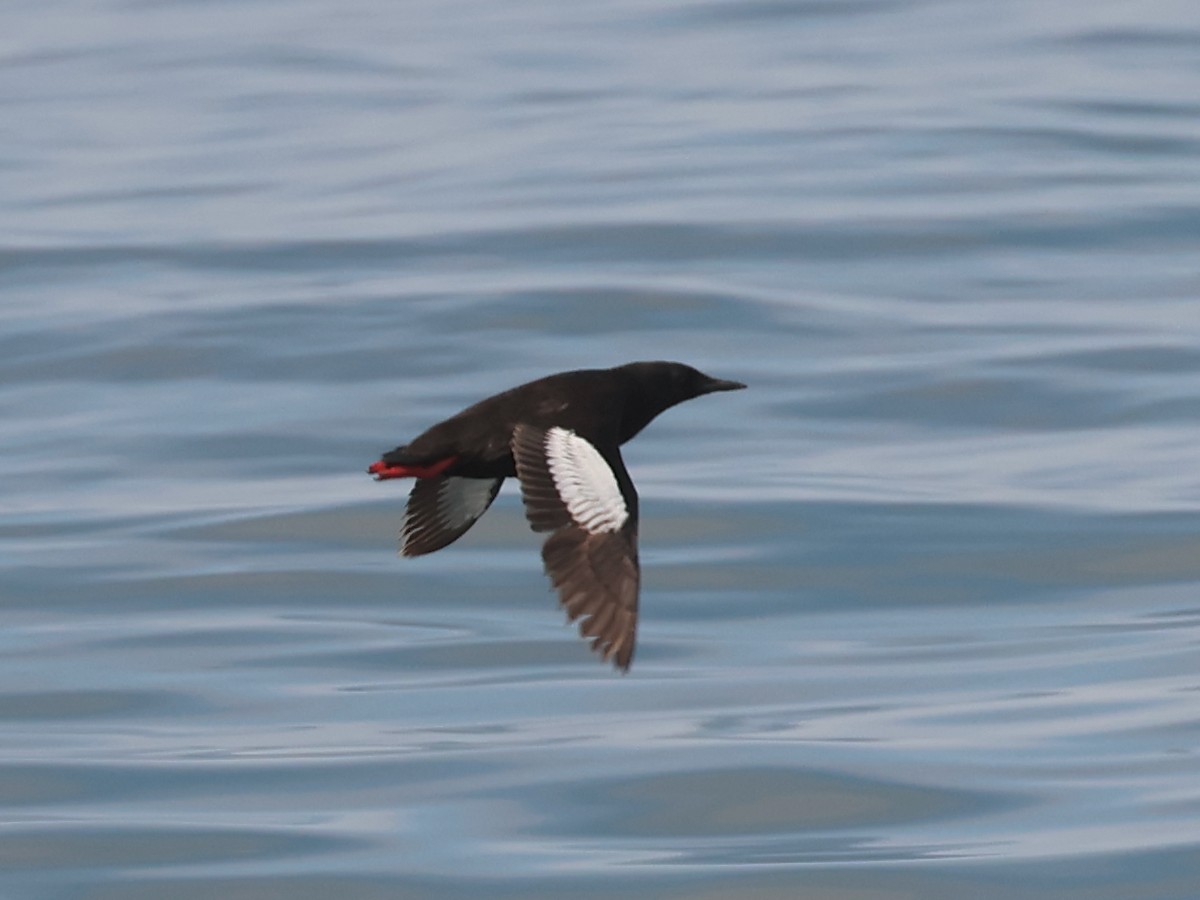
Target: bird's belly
(502, 467)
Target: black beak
(717, 384)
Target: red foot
(382, 471)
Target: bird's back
(588, 402)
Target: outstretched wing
(441, 509)
(588, 502)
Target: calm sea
(921, 609)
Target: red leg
(382, 471)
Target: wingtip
(618, 653)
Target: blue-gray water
(921, 609)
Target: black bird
(561, 436)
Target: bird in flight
(561, 436)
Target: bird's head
(658, 386)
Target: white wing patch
(585, 482)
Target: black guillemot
(561, 436)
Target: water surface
(920, 608)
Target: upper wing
(441, 509)
(589, 503)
